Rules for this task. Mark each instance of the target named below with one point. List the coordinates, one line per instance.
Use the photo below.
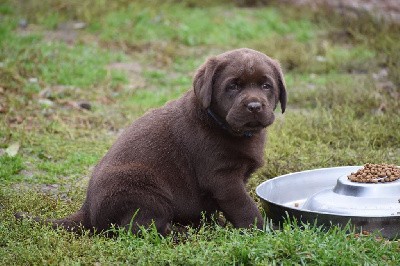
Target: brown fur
(181, 160)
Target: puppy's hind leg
(146, 217)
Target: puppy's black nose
(254, 107)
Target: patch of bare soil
(386, 9)
(57, 191)
(133, 71)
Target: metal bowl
(327, 197)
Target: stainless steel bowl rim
(259, 188)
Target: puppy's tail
(72, 223)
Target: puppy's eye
(233, 87)
(266, 86)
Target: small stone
(46, 102)
(46, 93)
(33, 80)
(84, 105)
(320, 58)
(79, 25)
(23, 23)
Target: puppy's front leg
(237, 205)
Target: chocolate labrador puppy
(191, 156)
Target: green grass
(140, 23)
(55, 62)
(209, 245)
(339, 113)
(10, 167)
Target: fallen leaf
(15, 120)
(13, 149)
(3, 109)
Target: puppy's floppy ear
(203, 81)
(281, 85)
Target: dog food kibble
(376, 173)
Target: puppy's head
(243, 87)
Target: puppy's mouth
(254, 124)
(249, 127)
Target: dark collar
(225, 126)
